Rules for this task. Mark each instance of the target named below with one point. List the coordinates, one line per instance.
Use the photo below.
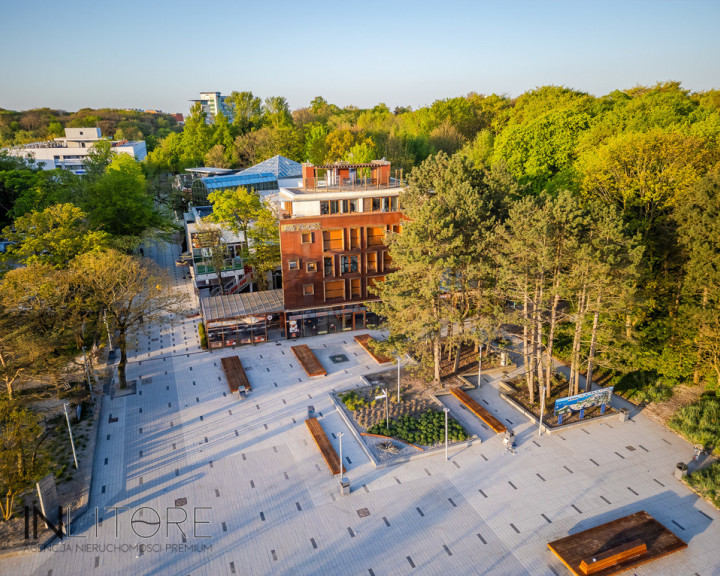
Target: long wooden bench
(308, 361)
(323, 443)
(235, 374)
(478, 410)
(364, 340)
(607, 542)
(613, 556)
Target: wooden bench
(308, 361)
(323, 443)
(364, 340)
(235, 374)
(613, 556)
(478, 410)
(614, 546)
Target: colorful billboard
(585, 400)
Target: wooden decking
(308, 361)
(323, 443)
(235, 374)
(619, 540)
(478, 410)
(364, 341)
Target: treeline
(40, 124)
(574, 271)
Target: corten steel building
(333, 231)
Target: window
(372, 262)
(397, 228)
(307, 238)
(393, 203)
(333, 240)
(376, 204)
(375, 236)
(334, 289)
(387, 261)
(348, 264)
(328, 266)
(334, 206)
(311, 267)
(293, 265)
(308, 289)
(375, 280)
(355, 288)
(354, 238)
(324, 207)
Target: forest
(590, 223)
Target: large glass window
(349, 264)
(334, 290)
(328, 266)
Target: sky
(161, 54)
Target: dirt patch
(661, 412)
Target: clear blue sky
(160, 54)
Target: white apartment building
(212, 103)
(70, 151)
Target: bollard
(344, 487)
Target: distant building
(333, 230)
(70, 152)
(212, 104)
(203, 237)
(266, 178)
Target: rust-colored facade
(314, 263)
(333, 239)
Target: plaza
(248, 474)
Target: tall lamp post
(387, 411)
(72, 442)
(340, 435)
(446, 432)
(398, 395)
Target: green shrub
(699, 422)
(706, 482)
(427, 430)
(353, 400)
(203, 335)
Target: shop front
(317, 322)
(243, 319)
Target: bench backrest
(613, 556)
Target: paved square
(249, 468)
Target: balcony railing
(230, 265)
(350, 184)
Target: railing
(350, 184)
(210, 269)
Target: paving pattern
(247, 471)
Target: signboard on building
(301, 227)
(582, 401)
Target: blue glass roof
(235, 180)
(279, 166)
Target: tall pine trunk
(526, 347)
(593, 339)
(551, 336)
(539, 346)
(575, 357)
(437, 355)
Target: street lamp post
(446, 432)
(340, 435)
(72, 442)
(398, 395)
(479, 364)
(387, 410)
(542, 409)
